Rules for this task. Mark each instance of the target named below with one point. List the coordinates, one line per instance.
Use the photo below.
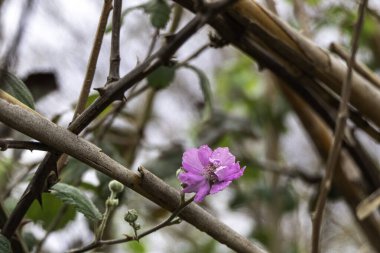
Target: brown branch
(112, 92)
(358, 66)
(91, 67)
(29, 145)
(115, 42)
(334, 153)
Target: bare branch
(30, 145)
(115, 42)
(91, 67)
(334, 153)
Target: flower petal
(204, 153)
(191, 162)
(203, 191)
(219, 186)
(222, 156)
(190, 178)
(229, 173)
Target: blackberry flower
(207, 172)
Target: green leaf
(5, 245)
(204, 83)
(136, 247)
(161, 77)
(46, 214)
(15, 87)
(73, 196)
(159, 11)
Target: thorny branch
(110, 93)
(334, 153)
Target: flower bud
(131, 216)
(137, 226)
(115, 186)
(112, 202)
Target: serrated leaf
(5, 245)
(46, 214)
(204, 83)
(161, 77)
(15, 87)
(73, 196)
(159, 11)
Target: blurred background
(221, 98)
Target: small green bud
(115, 186)
(137, 226)
(112, 202)
(131, 216)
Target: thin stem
(153, 42)
(168, 222)
(195, 54)
(29, 145)
(333, 157)
(115, 42)
(91, 67)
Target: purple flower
(208, 172)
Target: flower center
(209, 173)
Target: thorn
(101, 90)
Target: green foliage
(15, 87)
(5, 245)
(73, 196)
(136, 247)
(161, 77)
(46, 214)
(159, 12)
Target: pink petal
(229, 173)
(191, 162)
(204, 153)
(203, 191)
(190, 178)
(222, 156)
(219, 186)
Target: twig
(168, 222)
(195, 54)
(358, 66)
(153, 42)
(111, 93)
(91, 67)
(333, 157)
(30, 145)
(177, 16)
(115, 43)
